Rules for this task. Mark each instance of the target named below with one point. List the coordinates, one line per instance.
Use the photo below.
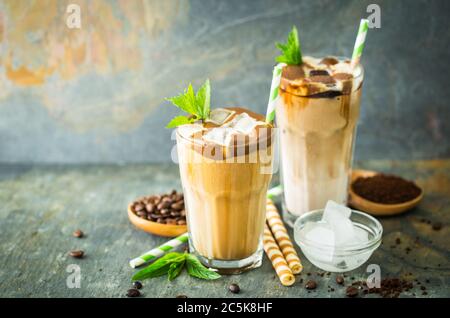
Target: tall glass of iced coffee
(317, 113)
(225, 166)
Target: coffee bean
(164, 205)
(161, 220)
(137, 284)
(351, 291)
(234, 288)
(183, 213)
(78, 233)
(311, 285)
(165, 212)
(155, 215)
(171, 221)
(340, 280)
(181, 222)
(138, 207)
(150, 207)
(133, 292)
(141, 214)
(181, 296)
(76, 253)
(437, 226)
(175, 214)
(177, 206)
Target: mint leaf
(159, 267)
(178, 121)
(290, 52)
(175, 269)
(196, 269)
(197, 105)
(203, 99)
(185, 101)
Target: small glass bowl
(345, 257)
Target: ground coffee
(386, 189)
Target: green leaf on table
(291, 51)
(196, 269)
(159, 267)
(196, 105)
(175, 269)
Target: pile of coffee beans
(165, 208)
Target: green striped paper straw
(276, 78)
(275, 191)
(159, 251)
(359, 43)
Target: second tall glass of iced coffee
(317, 113)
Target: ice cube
(321, 235)
(332, 208)
(219, 116)
(187, 131)
(343, 229)
(221, 136)
(338, 218)
(243, 123)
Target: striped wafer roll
(282, 238)
(276, 257)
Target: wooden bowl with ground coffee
(162, 215)
(382, 194)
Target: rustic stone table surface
(42, 205)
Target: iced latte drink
(225, 167)
(317, 114)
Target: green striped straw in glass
(359, 43)
(276, 79)
(159, 251)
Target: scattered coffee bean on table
(234, 288)
(164, 209)
(76, 253)
(137, 284)
(340, 280)
(181, 296)
(437, 226)
(352, 291)
(310, 285)
(78, 233)
(133, 292)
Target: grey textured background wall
(96, 94)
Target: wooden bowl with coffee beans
(162, 215)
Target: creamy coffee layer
(317, 115)
(225, 202)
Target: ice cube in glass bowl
(340, 257)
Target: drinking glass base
(231, 267)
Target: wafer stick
(276, 257)
(282, 238)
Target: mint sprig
(291, 51)
(197, 105)
(172, 264)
